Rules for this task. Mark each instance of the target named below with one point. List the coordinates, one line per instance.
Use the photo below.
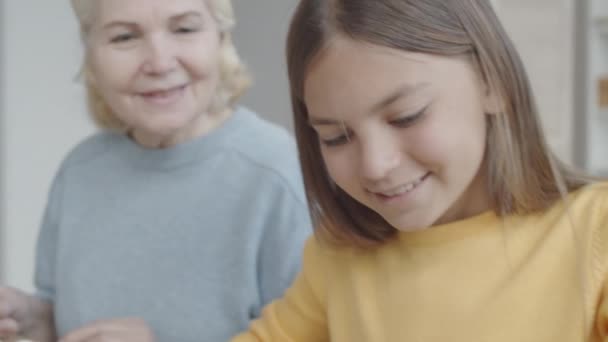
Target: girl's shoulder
(593, 192)
(589, 205)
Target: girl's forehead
(348, 57)
(361, 82)
(350, 69)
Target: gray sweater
(195, 239)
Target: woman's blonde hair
(523, 175)
(234, 77)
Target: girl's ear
(493, 103)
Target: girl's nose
(379, 156)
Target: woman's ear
(87, 74)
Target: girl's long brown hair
(523, 175)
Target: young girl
(441, 214)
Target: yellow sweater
(516, 279)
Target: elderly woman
(186, 214)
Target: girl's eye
(337, 141)
(186, 30)
(121, 38)
(408, 120)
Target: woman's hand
(23, 315)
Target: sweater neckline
(452, 231)
(184, 153)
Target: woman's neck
(200, 126)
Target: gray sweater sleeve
(281, 247)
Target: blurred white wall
(260, 38)
(597, 57)
(42, 117)
(548, 55)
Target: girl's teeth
(403, 189)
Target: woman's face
(156, 64)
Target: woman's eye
(408, 120)
(122, 38)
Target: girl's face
(156, 63)
(403, 133)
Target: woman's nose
(160, 56)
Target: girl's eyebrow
(402, 91)
(322, 121)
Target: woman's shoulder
(94, 146)
(266, 146)
(261, 136)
